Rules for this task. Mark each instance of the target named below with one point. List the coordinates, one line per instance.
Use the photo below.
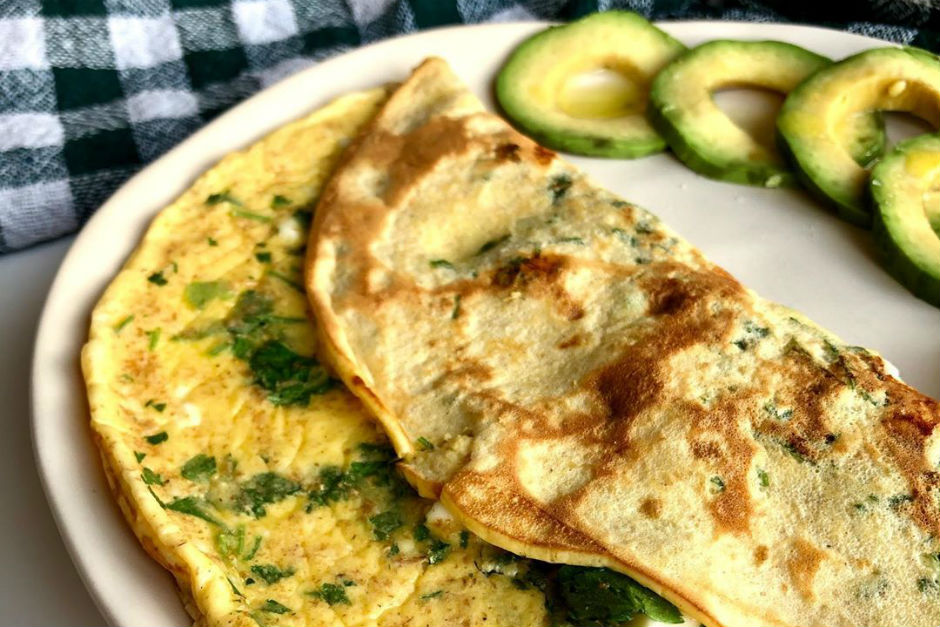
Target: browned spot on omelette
(540, 276)
(803, 564)
(651, 507)
(760, 554)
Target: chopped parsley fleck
(464, 539)
(753, 334)
(394, 550)
(249, 215)
(780, 414)
(493, 243)
(157, 278)
(263, 489)
(422, 533)
(123, 323)
(199, 468)
(431, 595)
(624, 237)
(212, 242)
(215, 199)
(441, 263)
(234, 589)
(155, 405)
(598, 596)
(289, 378)
(763, 478)
(264, 257)
(198, 294)
(425, 444)
(156, 498)
(831, 350)
(139, 456)
(897, 500)
(157, 438)
(331, 593)
(926, 585)
(718, 484)
(455, 312)
(250, 555)
(286, 280)
(384, 524)
(216, 349)
(570, 240)
(230, 542)
(279, 201)
(151, 478)
(796, 453)
(333, 486)
(559, 186)
(194, 507)
(153, 336)
(274, 607)
(438, 552)
(270, 573)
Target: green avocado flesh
(708, 141)
(885, 79)
(905, 188)
(583, 87)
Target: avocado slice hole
(753, 109)
(901, 125)
(601, 94)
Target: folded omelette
(256, 479)
(577, 383)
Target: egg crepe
(578, 383)
(257, 480)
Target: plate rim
(47, 355)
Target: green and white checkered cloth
(91, 90)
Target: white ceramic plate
(779, 242)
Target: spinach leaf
(332, 593)
(290, 379)
(198, 294)
(602, 597)
(384, 524)
(194, 507)
(270, 573)
(274, 607)
(199, 468)
(263, 489)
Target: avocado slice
(546, 89)
(708, 141)
(905, 188)
(888, 79)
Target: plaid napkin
(91, 90)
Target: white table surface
(32, 554)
